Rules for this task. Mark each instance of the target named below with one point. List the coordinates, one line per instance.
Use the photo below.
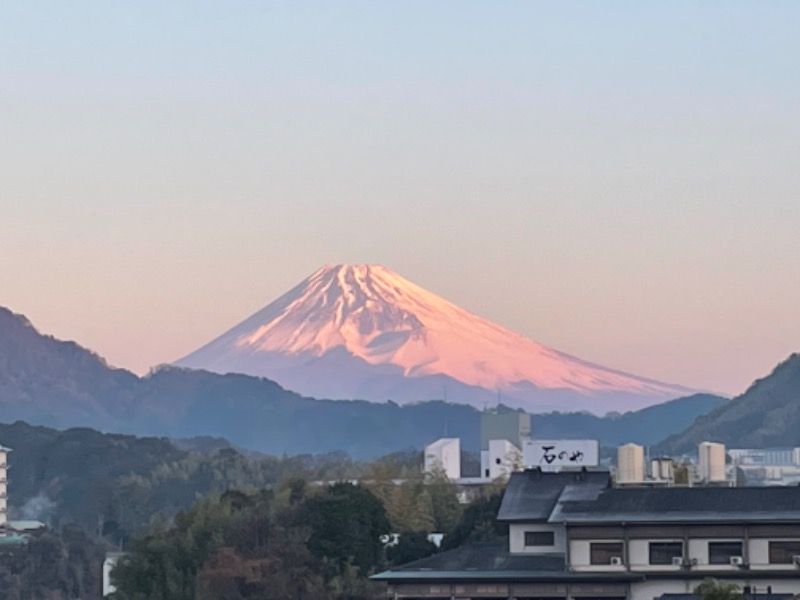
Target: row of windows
(719, 553)
(663, 553)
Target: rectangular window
(783, 553)
(601, 553)
(662, 553)
(540, 538)
(719, 553)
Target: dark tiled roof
(700, 503)
(486, 556)
(532, 495)
(492, 561)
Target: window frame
(727, 560)
(666, 558)
(531, 534)
(606, 548)
(773, 548)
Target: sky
(618, 180)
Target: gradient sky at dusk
(619, 180)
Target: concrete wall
(511, 426)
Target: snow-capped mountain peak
(349, 326)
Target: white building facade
(500, 460)
(572, 536)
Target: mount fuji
(362, 331)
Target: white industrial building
(769, 466)
(500, 459)
(444, 455)
(630, 464)
(711, 462)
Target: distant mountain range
(766, 415)
(363, 331)
(50, 382)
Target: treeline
(113, 485)
(174, 511)
(299, 540)
(53, 565)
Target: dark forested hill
(766, 415)
(47, 381)
(646, 426)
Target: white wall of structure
(108, 565)
(711, 461)
(630, 464)
(445, 454)
(516, 538)
(500, 460)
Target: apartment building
(574, 536)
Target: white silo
(630, 464)
(662, 470)
(711, 461)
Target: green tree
(346, 522)
(444, 498)
(478, 523)
(411, 547)
(714, 589)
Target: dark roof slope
(701, 503)
(486, 556)
(532, 495)
(491, 561)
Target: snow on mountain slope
(363, 331)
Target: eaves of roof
(678, 517)
(531, 576)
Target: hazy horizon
(616, 181)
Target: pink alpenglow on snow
(365, 332)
